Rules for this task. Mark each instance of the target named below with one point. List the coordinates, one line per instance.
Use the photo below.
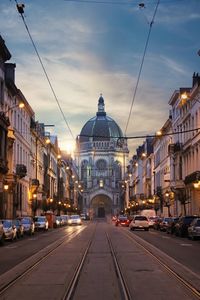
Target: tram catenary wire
(139, 136)
(20, 8)
(141, 65)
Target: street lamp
(20, 105)
(185, 96)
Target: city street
(52, 259)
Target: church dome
(101, 127)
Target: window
(1, 92)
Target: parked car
(157, 222)
(164, 223)
(181, 227)
(41, 223)
(194, 229)
(20, 228)
(139, 222)
(10, 230)
(122, 221)
(2, 236)
(171, 225)
(74, 220)
(152, 221)
(64, 219)
(58, 221)
(84, 217)
(28, 223)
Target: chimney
(10, 72)
(196, 79)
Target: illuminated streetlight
(167, 194)
(48, 141)
(196, 184)
(159, 133)
(6, 187)
(20, 105)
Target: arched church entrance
(101, 205)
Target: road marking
(32, 239)
(153, 232)
(165, 237)
(10, 247)
(186, 245)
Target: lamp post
(19, 105)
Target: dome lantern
(101, 106)
(101, 127)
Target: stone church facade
(101, 158)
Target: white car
(74, 220)
(139, 222)
(41, 223)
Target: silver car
(74, 220)
(194, 229)
(41, 223)
(10, 230)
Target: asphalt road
(185, 251)
(146, 278)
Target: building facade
(101, 157)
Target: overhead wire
(118, 2)
(140, 136)
(20, 8)
(141, 65)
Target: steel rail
(68, 295)
(12, 282)
(169, 270)
(124, 288)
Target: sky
(94, 47)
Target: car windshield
(26, 221)
(7, 223)
(188, 220)
(141, 218)
(75, 217)
(123, 218)
(39, 219)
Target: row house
(185, 151)
(138, 183)
(34, 177)
(167, 178)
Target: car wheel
(2, 241)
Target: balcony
(3, 166)
(174, 148)
(21, 170)
(35, 182)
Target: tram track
(90, 253)
(31, 263)
(125, 293)
(185, 283)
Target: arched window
(84, 165)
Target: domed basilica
(101, 158)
